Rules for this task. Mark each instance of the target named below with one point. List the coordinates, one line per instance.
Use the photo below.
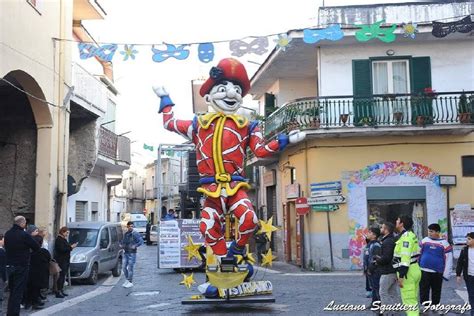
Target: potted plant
(343, 118)
(465, 107)
(366, 121)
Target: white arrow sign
(333, 199)
(325, 193)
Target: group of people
(398, 266)
(26, 265)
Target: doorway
(381, 211)
(292, 234)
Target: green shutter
(420, 74)
(362, 90)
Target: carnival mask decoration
(464, 25)
(257, 46)
(371, 31)
(179, 53)
(206, 52)
(332, 33)
(104, 52)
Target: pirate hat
(229, 69)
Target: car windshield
(138, 224)
(85, 237)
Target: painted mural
(389, 173)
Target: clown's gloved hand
(292, 137)
(161, 92)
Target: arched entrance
(385, 190)
(25, 136)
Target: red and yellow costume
(221, 142)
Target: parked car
(154, 234)
(98, 249)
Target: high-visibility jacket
(406, 252)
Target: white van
(139, 222)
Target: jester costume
(221, 142)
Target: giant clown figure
(221, 139)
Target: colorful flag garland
(259, 45)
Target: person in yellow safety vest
(405, 261)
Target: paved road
(157, 292)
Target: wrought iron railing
(391, 110)
(114, 146)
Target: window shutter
(362, 90)
(269, 103)
(361, 78)
(420, 74)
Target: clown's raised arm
(182, 127)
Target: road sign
(325, 208)
(302, 207)
(325, 193)
(333, 185)
(333, 199)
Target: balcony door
(391, 77)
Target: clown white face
(225, 97)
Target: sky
(177, 22)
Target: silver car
(98, 249)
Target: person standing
(372, 269)
(365, 261)
(405, 260)
(62, 255)
(38, 275)
(261, 241)
(131, 241)
(18, 246)
(388, 278)
(3, 270)
(465, 267)
(436, 263)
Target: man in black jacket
(388, 281)
(18, 246)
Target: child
(368, 290)
(466, 267)
(374, 248)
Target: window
(390, 76)
(95, 211)
(467, 166)
(81, 211)
(104, 238)
(113, 234)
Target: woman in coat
(62, 255)
(466, 267)
(38, 275)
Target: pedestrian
(44, 233)
(388, 289)
(147, 233)
(365, 261)
(32, 230)
(62, 255)
(466, 267)
(261, 241)
(170, 216)
(45, 245)
(18, 247)
(131, 241)
(436, 264)
(405, 259)
(3, 270)
(373, 274)
(38, 275)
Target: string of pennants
(259, 45)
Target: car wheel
(92, 279)
(117, 271)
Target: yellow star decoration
(268, 258)
(192, 249)
(268, 228)
(248, 257)
(188, 280)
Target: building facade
(382, 123)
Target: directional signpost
(325, 197)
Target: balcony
(89, 92)
(151, 194)
(114, 152)
(402, 114)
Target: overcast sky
(174, 21)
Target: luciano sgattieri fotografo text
(377, 306)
